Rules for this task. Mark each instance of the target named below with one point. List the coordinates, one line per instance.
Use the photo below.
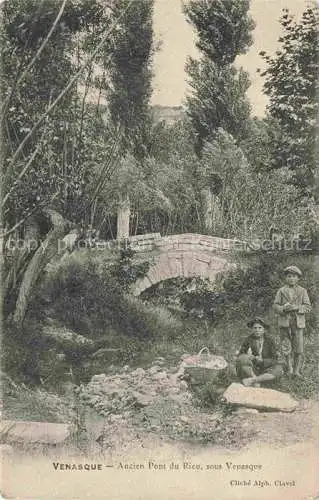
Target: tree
(257, 144)
(218, 99)
(250, 201)
(129, 73)
(128, 86)
(37, 66)
(49, 154)
(292, 86)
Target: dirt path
(282, 449)
(283, 429)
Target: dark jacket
(269, 352)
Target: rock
(155, 427)
(183, 385)
(142, 399)
(174, 390)
(244, 411)
(154, 369)
(139, 372)
(184, 356)
(184, 419)
(94, 399)
(173, 370)
(98, 378)
(160, 376)
(34, 432)
(159, 361)
(259, 398)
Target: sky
(178, 41)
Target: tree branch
(36, 56)
(68, 86)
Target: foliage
(87, 290)
(291, 84)
(251, 197)
(128, 83)
(250, 290)
(256, 145)
(168, 203)
(34, 72)
(193, 296)
(162, 187)
(62, 163)
(250, 201)
(224, 28)
(218, 99)
(34, 404)
(218, 88)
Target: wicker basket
(204, 367)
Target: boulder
(142, 399)
(244, 411)
(160, 375)
(33, 432)
(154, 369)
(159, 361)
(65, 337)
(139, 372)
(259, 398)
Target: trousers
(247, 367)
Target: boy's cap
(258, 320)
(293, 270)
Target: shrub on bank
(250, 289)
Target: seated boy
(257, 360)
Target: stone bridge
(183, 255)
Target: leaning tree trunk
(48, 249)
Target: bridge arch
(184, 255)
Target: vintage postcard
(159, 272)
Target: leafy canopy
(292, 86)
(218, 99)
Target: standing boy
(291, 304)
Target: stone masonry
(183, 255)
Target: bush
(21, 350)
(247, 290)
(250, 290)
(87, 291)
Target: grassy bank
(87, 297)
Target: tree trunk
(46, 251)
(212, 212)
(207, 210)
(32, 230)
(123, 219)
(217, 213)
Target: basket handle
(203, 349)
